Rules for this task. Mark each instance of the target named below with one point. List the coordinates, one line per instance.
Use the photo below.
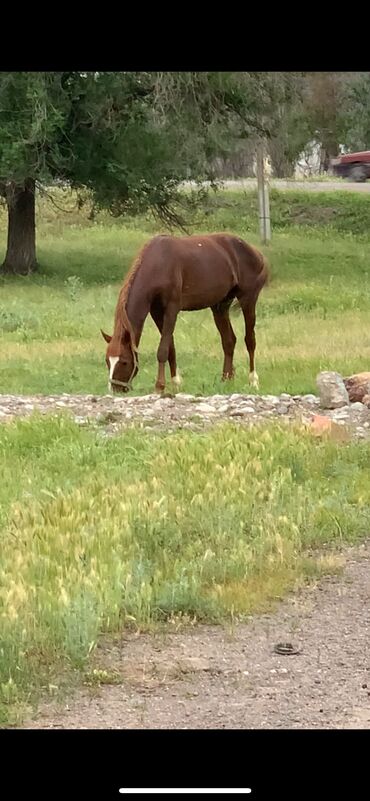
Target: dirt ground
(218, 677)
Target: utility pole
(263, 196)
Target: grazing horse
(173, 274)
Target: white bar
(184, 790)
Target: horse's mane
(122, 322)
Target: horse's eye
(124, 362)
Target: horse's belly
(195, 300)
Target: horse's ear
(105, 336)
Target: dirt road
(306, 185)
(214, 677)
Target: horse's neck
(137, 310)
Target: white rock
(282, 408)
(333, 393)
(247, 409)
(357, 406)
(205, 408)
(182, 397)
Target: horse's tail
(261, 277)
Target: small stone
(282, 408)
(366, 425)
(357, 406)
(285, 396)
(59, 403)
(223, 408)
(310, 399)
(333, 393)
(182, 397)
(338, 413)
(241, 410)
(205, 408)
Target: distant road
(307, 186)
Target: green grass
(100, 533)
(313, 315)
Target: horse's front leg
(166, 342)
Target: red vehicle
(354, 166)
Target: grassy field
(313, 315)
(98, 533)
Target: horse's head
(122, 362)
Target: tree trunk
(21, 247)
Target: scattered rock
(111, 413)
(333, 393)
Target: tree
(354, 115)
(129, 138)
(291, 128)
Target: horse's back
(202, 270)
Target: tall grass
(98, 533)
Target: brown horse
(173, 274)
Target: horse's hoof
(176, 380)
(228, 376)
(253, 380)
(159, 388)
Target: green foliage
(130, 137)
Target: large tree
(130, 138)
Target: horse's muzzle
(118, 387)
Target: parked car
(354, 166)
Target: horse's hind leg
(157, 314)
(228, 339)
(248, 306)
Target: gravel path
(212, 677)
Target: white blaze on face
(112, 363)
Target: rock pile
(110, 414)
